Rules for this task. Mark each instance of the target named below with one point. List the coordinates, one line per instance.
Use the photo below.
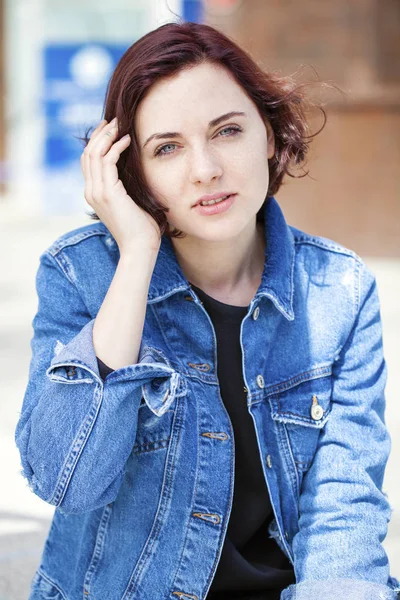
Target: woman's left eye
(230, 129)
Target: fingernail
(114, 121)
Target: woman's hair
(176, 46)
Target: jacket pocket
(301, 407)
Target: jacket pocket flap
(303, 400)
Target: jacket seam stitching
(164, 500)
(290, 460)
(154, 312)
(75, 450)
(324, 246)
(56, 248)
(60, 266)
(51, 582)
(189, 520)
(98, 549)
(357, 305)
(317, 373)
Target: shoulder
(87, 257)
(325, 262)
(322, 245)
(321, 252)
(95, 232)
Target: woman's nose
(204, 167)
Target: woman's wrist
(139, 255)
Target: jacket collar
(277, 278)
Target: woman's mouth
(213, 207)
(209, 202)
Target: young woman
(205, 405)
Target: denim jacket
(140, 466)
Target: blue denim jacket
(141, 466)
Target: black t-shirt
(252, 566)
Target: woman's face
(195, 157)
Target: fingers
(110, 171)
(85, 165)
(99, 159)
(96, 131)
(100, 146)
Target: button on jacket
(141, 466)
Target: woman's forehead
(203, 93)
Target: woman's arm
(75, 432)
(343, 511)
(118, 327)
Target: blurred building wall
(353, 194)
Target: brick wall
(354, 196)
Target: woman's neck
(229, 271)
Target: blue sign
(76, 78)
(192, 10)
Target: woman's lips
(217, 208)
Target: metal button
(317, 412)
(269, 461)
(286, 535)
(256, 313)
(260, 381)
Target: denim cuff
(76, 363)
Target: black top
(251, 565)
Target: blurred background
(56, 57)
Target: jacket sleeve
(343, 512)
(76, 431)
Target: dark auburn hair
(175, 46)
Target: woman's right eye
(160, 151)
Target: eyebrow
(213, 123)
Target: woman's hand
(129, 224)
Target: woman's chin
(210, 234)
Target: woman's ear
(270, 140)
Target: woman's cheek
(160, 180)
(241, 158)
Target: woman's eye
(160, 151)
(164, 149)
(230, 130)
(226, 132)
